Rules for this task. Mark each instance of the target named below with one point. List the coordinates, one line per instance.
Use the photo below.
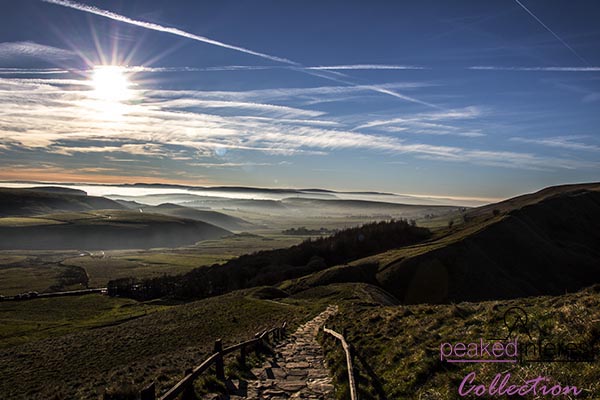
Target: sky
(465, 99)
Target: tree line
(269, 267)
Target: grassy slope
(541, 243)
(398, 347)
(27, 321)
(158, 347)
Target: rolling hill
(105, 229)
(36, 201)
(542, 243)
(212, 217)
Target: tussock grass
(398, 348)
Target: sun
(110, 83)
(111, 91)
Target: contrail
(552, 32)
(160, 28)
(364, 67)
(549, 69)
(178, 32)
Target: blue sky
(449, 98)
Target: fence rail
(348, 351)
(185, 387)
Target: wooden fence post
(188, 392)
(258, 343)
(149, 392)
(219, 365)
(243, 356)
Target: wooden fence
(348, 351)
(185, 387)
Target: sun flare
(111, 89)
(110, 83)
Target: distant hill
(105, 229)
(542, 243)
(212, 217)
(59, 190)
(36, 201)
(366, 205)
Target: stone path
(298, 369)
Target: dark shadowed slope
(23, 202)
(106, 229)
(545, 243)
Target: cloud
(546, 69)
(200, 69)
(57, 174)
(364, 67)
(165, 29)
(425, 119)
(591, 97)
(234, 164)
(329, 75)
(164, 125)
(32, 71)
(563, 142)
(19, 50)
(239, 105)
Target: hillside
(36, 201)
(274, 266)
(543, 243)
(96, 342)
(106, 229)
(397, 348)
(212, 217)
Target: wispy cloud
(235, 164)
(428, 123)
(328, 75)
(563, 142)
(161, 28)
(238, 105)
(200, 69)
(365, 67)
(33, 71)
(547, 69)
(19, 50)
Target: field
(43, 271)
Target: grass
(39, 278)
(26, 270)
(27, 321)
(27, 221)
(398, 348)
(6, 259)
(139, 265)
(156, 347)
